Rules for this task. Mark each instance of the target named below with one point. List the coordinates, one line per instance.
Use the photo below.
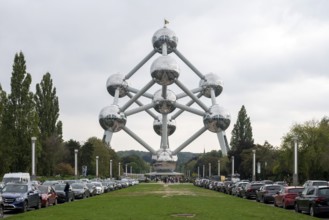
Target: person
(67, 190)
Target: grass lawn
(161, 201)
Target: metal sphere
(164, 161)
(157, 126)
(165, 70)
(164, 35)
(117, 81)
(211, 81)
(164, 105)
(111, 119)
(217, 119)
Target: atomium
(165, 73)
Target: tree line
(24, 114)
(276, 163)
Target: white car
(99, 188)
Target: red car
(48, 195)
(286, 196)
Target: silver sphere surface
(211, 81)
(111, 119)
(165, 70)
(164, 161)
(164, 35)
(117, 81)
(157, 126)
(164, 105)
(217, 119)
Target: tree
(4, 151)
(241, 139)
(313, 150)
(50, 128)
(21, 119)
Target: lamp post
(97, 166)
(111, 169)
(295, 175)
(232, 166)
(204, 170)
(131, 170)
(76, 163)
(119, 170)
(253, 165)
(209, 170)
(219, 169)
(33, 139)
(198, 171)
(126, 169)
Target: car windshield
(296, 190)
(77, 186)
(324, 192)
(15, 188)
(273, 187)
(320, 183)
(43, 189)
(59, 187)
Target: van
(16, 178)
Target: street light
(198, 171)
(295, 175)
(232, 166)
(33, 157)
(209, 170)
(119, 170)
(203, 171)
(111, 169)
(76, 163)
(219, 169)
(126, 169)
(253, 165)
(97, 166)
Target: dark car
(266, 192)
(285, 198)
(249, 191)
(61, 197)
(80, 191)
(48, 195)
(313, 200)
(1, 207)
(21, 197)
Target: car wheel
(39, 204)
(312, 211)
(25, 205)
(284, 205)
(296, 207)
(1, 211)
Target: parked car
(50, 182)
(236, 190)
(61, 197)
(99, 187)
(1, 207)
(48, 195)
(285, 198)
(313, 200)
(315, 183)
(20, 196)
(249, 191)
(80, 191)
(92, 189)
(265, 193)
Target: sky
(272, 57)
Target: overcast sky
(272, 56)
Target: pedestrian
(67, 190)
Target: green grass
(159, 201)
